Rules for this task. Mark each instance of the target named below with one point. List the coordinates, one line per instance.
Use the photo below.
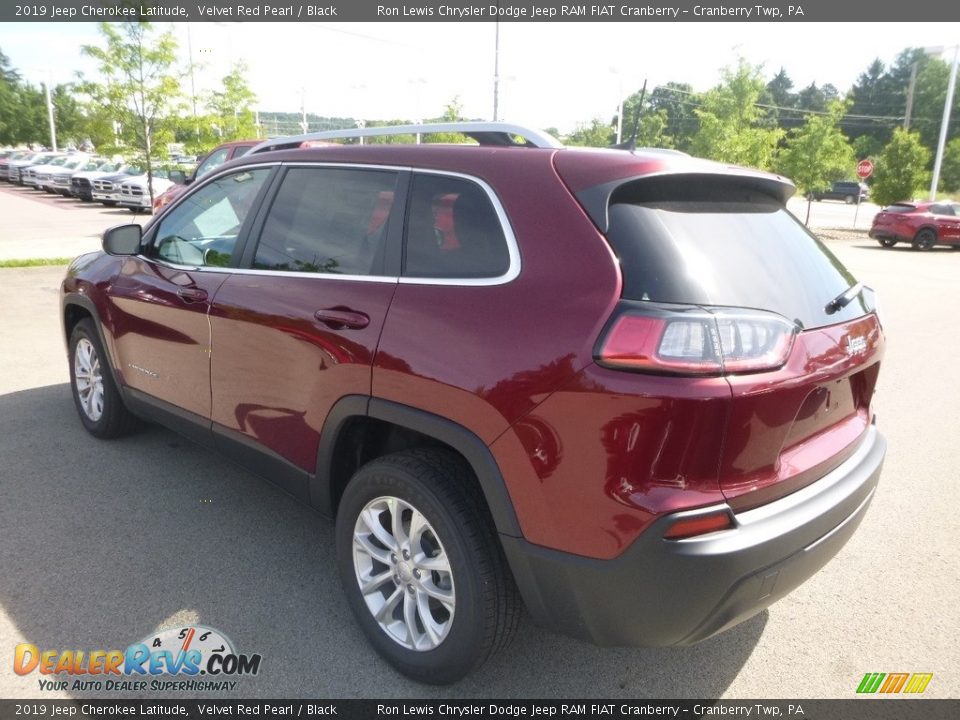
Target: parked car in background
(211, 161)
(60, 180)
(848, 192)
(135, 193)
(106, 189)
(43, 175)
(9, 158)
(922, 224)
(504, 394)
(81, 183)
(20, 168)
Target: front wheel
(421, 565)
(925, 239)
(96, 396)
(849, 199)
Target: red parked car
(214, 159)
(922, 224)
(626, 389)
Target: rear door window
(698, 244)
(453, 231)
(328, 220)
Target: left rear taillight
(694, 340)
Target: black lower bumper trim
(678, 592)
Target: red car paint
(924, 224)
(591, 456)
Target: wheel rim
(403, 573)
(88, 379)
(926, 239)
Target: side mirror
(123, 239)
(178, 176)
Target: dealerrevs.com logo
(196, 657)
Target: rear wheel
(421, 565)
(925, 239)
(887, 242)
(96, 396)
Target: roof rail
(485, 133)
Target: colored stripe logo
(891, 683)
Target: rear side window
(328, 220)
(452, 231)
(707, 245)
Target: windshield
(742, 252)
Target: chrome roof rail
(485, 133)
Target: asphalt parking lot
(105, 542)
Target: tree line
(814, 134)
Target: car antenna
(631, 143)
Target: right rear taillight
(695, 340)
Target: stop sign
(864, 169)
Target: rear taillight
(695, 340)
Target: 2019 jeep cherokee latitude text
(625, 388)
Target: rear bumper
(678, 592)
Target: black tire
(114, 419)
(849, 199)
(440, 486)
(887, 242)
(925, 239)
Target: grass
(35, 262)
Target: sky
(551, 74)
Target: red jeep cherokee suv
(625, 388)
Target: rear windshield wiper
(843, 299)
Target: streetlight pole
(53, 127)
(944, 125)
(496, 71)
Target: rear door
(297, 329)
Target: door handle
(192, 295)
(339, 318)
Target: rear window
(725, 247)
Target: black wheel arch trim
(89, 306)
(472, 448)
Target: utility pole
(193, 87)
(496, 71)
(913, 86)
(53, 127)
(944, 125)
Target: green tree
(597, 133)
(141, 88)
(678, 101)
(652, 127)
(817, 153)
(732, 125)
(901, 171)
(232, 107)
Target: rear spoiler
(596, 200)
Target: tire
(95, 394)
(925, 239)
(887, 242)
(849, 199)
(473, 605)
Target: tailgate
(778, 439)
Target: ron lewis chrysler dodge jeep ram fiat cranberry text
(627, 389)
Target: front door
(162, 297)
